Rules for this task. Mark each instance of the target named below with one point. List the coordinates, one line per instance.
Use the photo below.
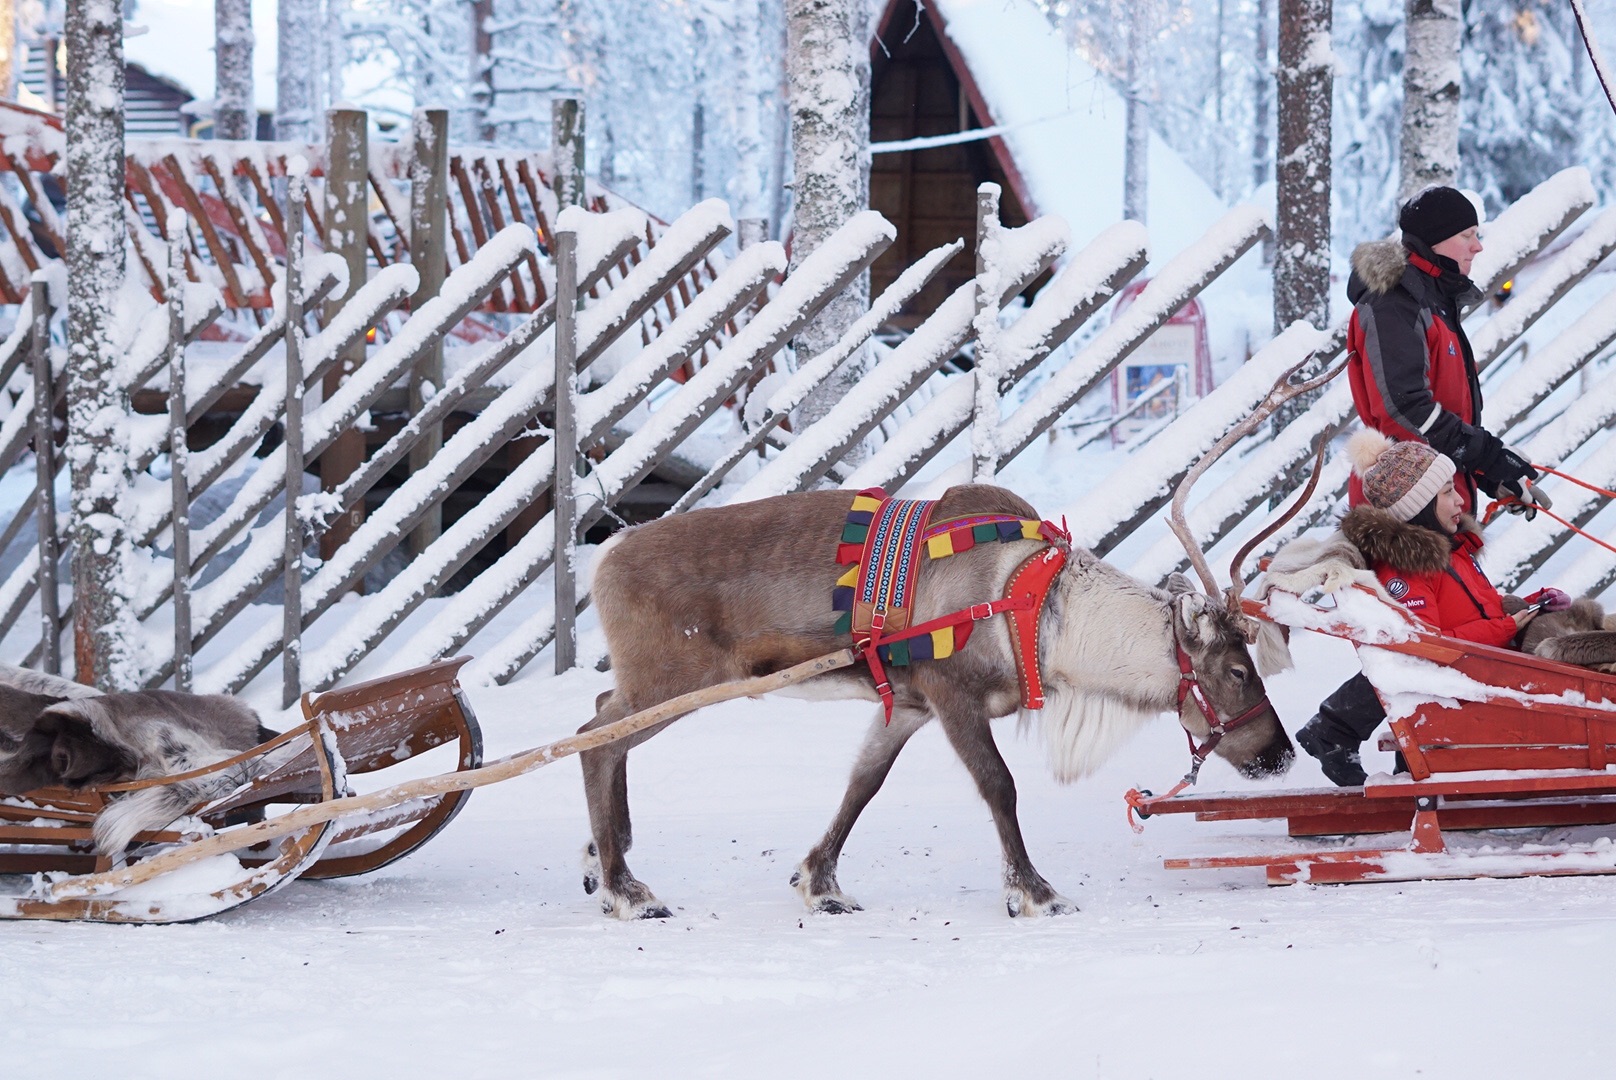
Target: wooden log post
(347, 230)
(985, 414)
(292, 594)
(567, 145)
(566, 448)
(50, 614)
(429, 195)
(178, 451)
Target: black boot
(1339, 761)
(1346, 718)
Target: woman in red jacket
(1415, 535)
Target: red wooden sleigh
(1496, 743)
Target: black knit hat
(1437, 213)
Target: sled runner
(1494, 741)
(367, 728)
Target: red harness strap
(1023, 604)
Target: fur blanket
(1582, 634)
(56, 733)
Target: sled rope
(505, 768)
(1498, 505)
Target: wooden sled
(1506, 754)
(366, 728)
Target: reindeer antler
(1282, 391)
(1237, 581)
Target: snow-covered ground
(481, 954)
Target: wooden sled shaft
(505, 768)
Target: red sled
(1500, 747)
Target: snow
(481, 954)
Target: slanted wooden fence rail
(620, 383)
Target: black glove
(1498, 470)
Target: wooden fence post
(347, 232)
(566, 448)
(567, 146)
(50, 614)
(985, 417)
(429, 194)
(180, 522)
(292, 579)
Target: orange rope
(1497, 505)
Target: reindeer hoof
(656, 911)
(591, 869)
(832, 905)
(1020, 904)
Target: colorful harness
(881, 542)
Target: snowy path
(481, 952)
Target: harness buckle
(979, 612)
(878, 619)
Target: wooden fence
(604, 436)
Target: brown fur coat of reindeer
(715, 595)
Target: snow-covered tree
(297, 61)
(1302, 233)
(97, 399)
(828, 70)
(234, 114)
(1430, 145)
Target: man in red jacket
(1412, 371)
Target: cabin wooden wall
(930, 195)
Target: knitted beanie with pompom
(1398, 477)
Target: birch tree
(1136, 152)
(233, 110)
(297, 63)
(97, 399)
(828, 72)
(1431, 76)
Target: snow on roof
(178, 45)
(1067, 126)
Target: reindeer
(714, 595)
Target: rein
(1189, 688)
(1494, 507)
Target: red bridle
(1190, 687)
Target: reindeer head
(1213, 640)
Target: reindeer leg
(605, 772)
(1025, 890)
(815, 877)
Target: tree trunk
(1302, 241)
(1430, 153)
(1302, 177)
(1259, 96)
(1136, 147)
(8, 49)
(97, 401)
(233, 110)
(297, 62)
(828, 72)
(756, 91)
(482, 70)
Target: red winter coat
(1412, 372)
(1435, 576)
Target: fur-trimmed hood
(1406, 548)
(1379, 264)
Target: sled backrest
(374, 725)
(1525, 712)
